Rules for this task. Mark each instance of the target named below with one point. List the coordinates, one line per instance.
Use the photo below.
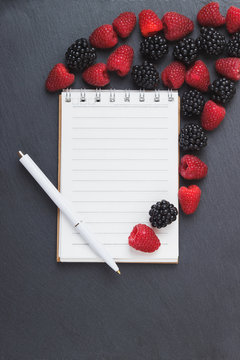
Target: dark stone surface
(84, 311)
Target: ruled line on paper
(111, 222)
(145, 149)
(119, 138)
(117, 128)
(114, 244)
(120, 170)
(154, 105)
(122, 191)
(122, 159)
(118, 180)
(116, 233)
(120, 117)
(98, 233)
(111, 212)
(118, 201)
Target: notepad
(118, 155)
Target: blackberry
(192, 103)
(145, 76)
(222, 90)
(233, 46)
(154, 47)
(162, 214)
(211, 41)
(192, 137)
(186, 51)
(80, 55)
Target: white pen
(63, 205)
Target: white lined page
(117, 159)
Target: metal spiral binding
(82, 95)
(68, 95)
(157, 96)
(141, 96)
(170, 95)
(98, 95)
(112, 95)
(127, 96)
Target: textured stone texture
(83, 311)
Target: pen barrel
(63, 205)
(97, 247)
(48, 187)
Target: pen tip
(119, 272)
(20, 154)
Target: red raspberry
(176, 26)
(125, 23)
(209, 15)
(173, 75)
(143, 238)
(149, 23)
(191, 167)
(229, 67)
(96, 75)
(121, 60)
(233, 19)
(103, 37)
(59, 78)
(189, 198)
(198, 76)
(212, 115)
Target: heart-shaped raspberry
(189, 198)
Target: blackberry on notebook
(233, 46)
(145, 76)
(154, 47)
(186, 51)
(211, 41)
(80, 55)
(192, 137)
(192, 103)
(222, 90)
(162, 214)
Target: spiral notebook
(118, 155)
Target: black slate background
(50, 311)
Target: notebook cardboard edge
(59, 178)
(59, 167)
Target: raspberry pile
(204, 101)
(157, 32)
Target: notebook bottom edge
(145, 261)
